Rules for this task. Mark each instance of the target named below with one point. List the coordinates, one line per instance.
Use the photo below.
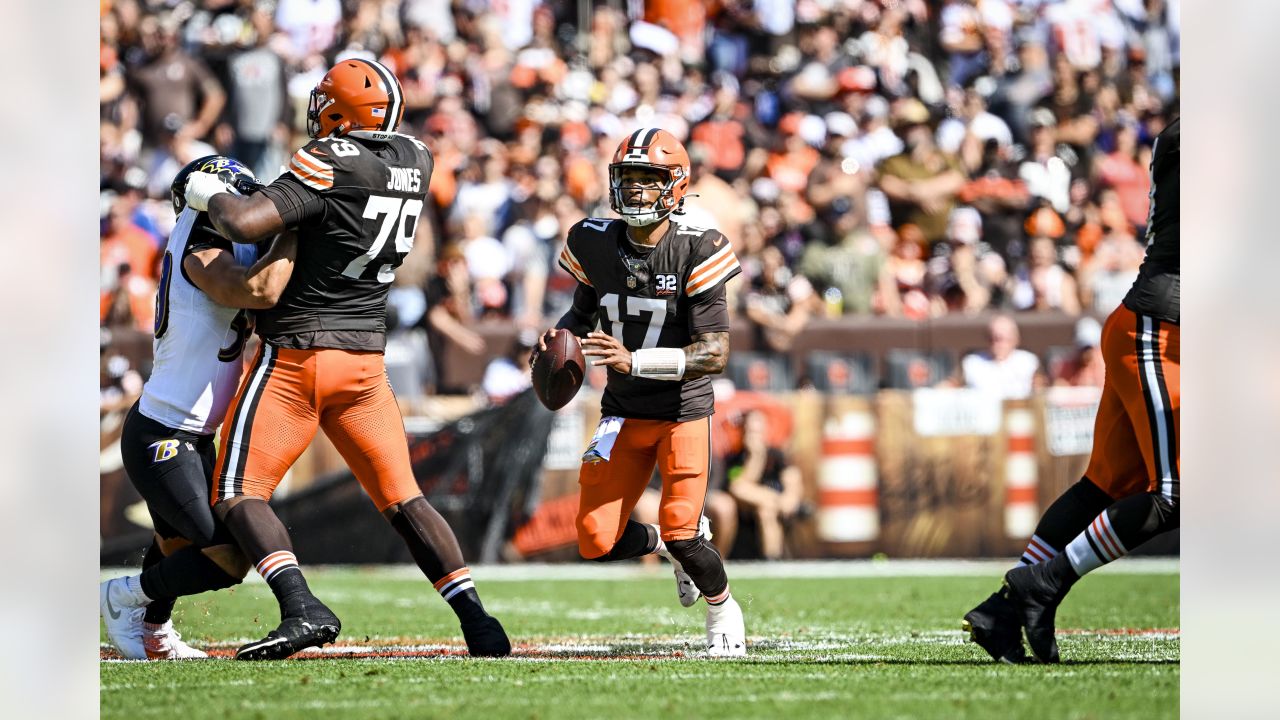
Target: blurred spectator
(1050, 166)
(1041, 283)
(451, 310)
(1003, 369)
(778, 303)
(508, 375)
(767, 486)
(1085, 367)
(964, 274)
(1125, 170)
(311, 25)
(260, 109)
(1107, 276)
(176, 92)
(903, 276)
(922, 181)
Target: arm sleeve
(296, 201)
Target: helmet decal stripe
(393, 94)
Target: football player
(656, 287)
(206, 285)
(353, 194)
(1130, 489)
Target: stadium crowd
(904, 158)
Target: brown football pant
(610, 490)
(287, 395)
(1136, 433)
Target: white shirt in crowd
(1012, 378)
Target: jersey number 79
(398, 215)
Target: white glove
(201, 187)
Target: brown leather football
(558, 370)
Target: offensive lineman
(353, 194)
(1129, 492)
(167, 441)
(657, 286)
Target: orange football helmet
(355, 94)
(655, 149)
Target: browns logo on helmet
(655, 149)
(355, 94)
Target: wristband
(658, 363)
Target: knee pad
(703, 564)
(678, 513)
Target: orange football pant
(610, 490)
(1138, 427)
(287, 395)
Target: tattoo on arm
(707, 355)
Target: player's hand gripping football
(609, 350)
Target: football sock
(1113, 533)
(186, 572)
(704, 566)
(459, 591)
(261, 535)
(1066, 518)
(637, 539)
(160, 610)
(431, 541)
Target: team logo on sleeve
(163, 450)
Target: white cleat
(726, 632)
(162, 642)
(123, 617)
(686, 591)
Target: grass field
(826, 640)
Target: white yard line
(743, 570)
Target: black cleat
(486, 638)
(1035, 597)
(293, 634)
(995, 627)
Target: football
(558, 370)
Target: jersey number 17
(398, 215)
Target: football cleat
(686, 591)
(123, 617)
(1035, 597)
(486, 638)
(994, 626)
(726, 632)
(294, 634)
(162, 642)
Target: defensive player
(657, 287)
(1130, 490)
(167, 440)
(353, 194)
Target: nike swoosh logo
(114, 613)
(717, 243)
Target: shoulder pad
(313, 164)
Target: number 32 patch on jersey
(666, 284)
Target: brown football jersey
(1158, 289)
(355, 204)
(661, 297)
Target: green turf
(847, 647)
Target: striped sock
(454, 583)
(275, 563)
(1095, 547)
(1038, 551)
(718, 598)
(459, 591)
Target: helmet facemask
(643, 215)
(318, 103)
